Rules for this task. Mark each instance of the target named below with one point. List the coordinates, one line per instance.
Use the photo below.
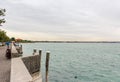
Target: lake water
(80, 62)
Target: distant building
(18, 40)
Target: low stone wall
(19, 49)
(32, 63)
(14, 52)
(25, 69)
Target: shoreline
(72, 42)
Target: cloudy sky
(74, 20)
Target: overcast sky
(78, 20)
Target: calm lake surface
(80, 62)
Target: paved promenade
(5, 65)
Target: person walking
(7, 43)
(8, 50)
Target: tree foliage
(2, 13)
(3, 36)
(12, 39)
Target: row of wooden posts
(46, 63)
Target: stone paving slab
(19, 72)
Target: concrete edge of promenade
(20, 71)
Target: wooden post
(21, 47)
(47, 65)
(34, 51)
(21, 52)
(40, 53)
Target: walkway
(5, 65)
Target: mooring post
(34, 51)
(21, 49)
(40, 53)
(47, 65)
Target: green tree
(13, 39)
(2, 13)
(3, 36)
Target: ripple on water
(81, 62)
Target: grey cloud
(80, 17)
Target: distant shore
(30, 41)
(74, 42)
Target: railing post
(21, 51)
(40, 53)
(21, 47)
(47, 65)
(34, 51)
